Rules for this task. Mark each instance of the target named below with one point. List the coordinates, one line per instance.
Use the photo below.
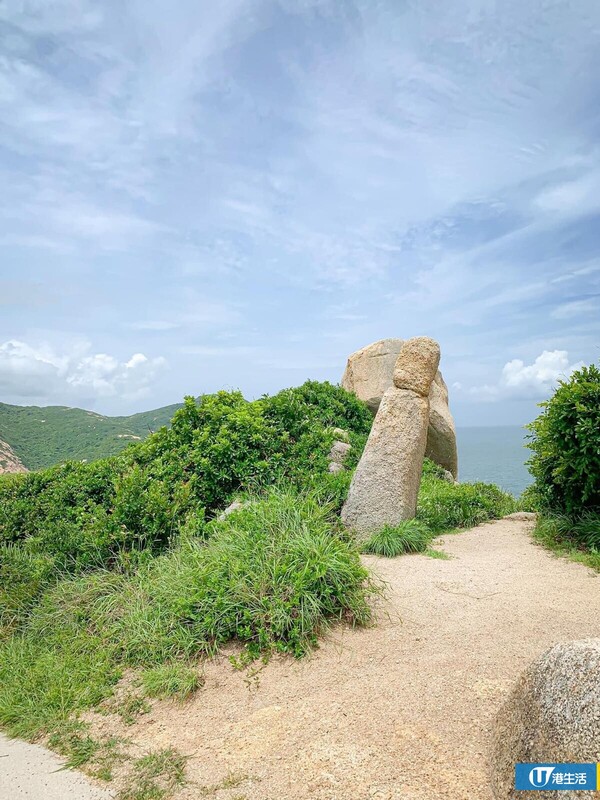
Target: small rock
(235, 506)
(338, 452)
(341, 435)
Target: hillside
(36, 437)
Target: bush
(104, 514)
(443, 506)
(565, 441)
(410, 536)
(271, 576)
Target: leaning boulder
(551, 716)
(386, 482)
(369, 373)
(441, 434)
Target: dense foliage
(443, 506)
(42, 437)
(270, 575)
(565, 440)
(116, 512)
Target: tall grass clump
(409, 536)
(272, 577)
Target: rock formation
(9, 461)
(386, 483)
(369, 373)
(552, 715)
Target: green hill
(41, 437)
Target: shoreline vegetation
(127, 567)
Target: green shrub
(410, 536)
(565, 441)
(272, 576)
(443, 506)
(529, 499)
(106, 513)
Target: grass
(175, 680)
(273, 576)
(155, 776)
(410, 536)
(576, 539)
(440, 554)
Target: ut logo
(539, 776)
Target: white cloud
(520, 381)
(41, 374)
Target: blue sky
(239, 194)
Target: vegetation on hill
(42, 437)
(565, 462)
(127, 562)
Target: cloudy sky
(198, 195)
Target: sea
(494, 455)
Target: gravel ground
(400, 711)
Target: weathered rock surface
(441, 435)
(337, 454)
(369, 373)
(417, 365)
(9, 461)
(552, 715)
(386, 483)
(235, 506)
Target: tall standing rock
(369, 373)
(386, 483)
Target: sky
(201, 195)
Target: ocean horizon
(494, 454)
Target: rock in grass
(552, 715)
(337, 454)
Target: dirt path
(400, 711)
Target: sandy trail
(399, 711)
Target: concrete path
(30, 772)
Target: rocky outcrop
(9, 461)
(386, 482)
(441, 434)
(552, 715)
(369, 373)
